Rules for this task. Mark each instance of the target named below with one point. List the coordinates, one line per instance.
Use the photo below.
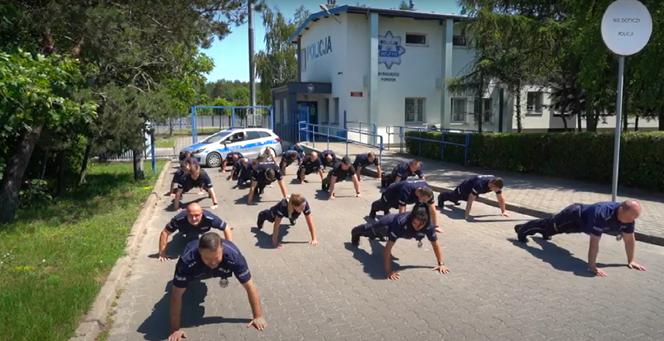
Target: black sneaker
(522, 238)
(292, 221)
(355, 235)
(546, 236)
(259, 223)
(372, 214)
(456, 203)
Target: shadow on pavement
(373, 262)
(264, 239)
(559, 258)
(452, 212)
(156, 326)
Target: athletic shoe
(355, 235)
(522, 238)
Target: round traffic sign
(626, 27)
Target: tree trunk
(591, 120)
(578, 122)
(660, 119)
(564, 118)
(170, 127)
(62, 164)
(478, 110)
(139, 174)
(519, 127)
(84, 164)
(14, 171)
(636, 123)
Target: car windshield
(217, 137)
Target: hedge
(582, 156)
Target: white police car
(249, 141)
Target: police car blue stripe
(246, 146)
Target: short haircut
(346, 160)
(296, 200)
(193, 164)
(210, 242)
(426, 191)
(420, 213)
(415, 161)
(498, 182)
(270, 174)
(371, 154)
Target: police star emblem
(390, 50)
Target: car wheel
(213, 160)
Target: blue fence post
(232, 117)
(400, 139)
(465, 150)
(271, 118)
(328, 137)
(194, 131)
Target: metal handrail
(307, 128)
(442, 143)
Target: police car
(248, 141)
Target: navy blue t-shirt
(208, 221)
(298, 149)
(479, 184)
(258, 173)
(229, 158)
(291, 156)
(312, 165)
(400, 227)
(324, 160)
(403, 171)
(188, 182)
(403, 192)
(603, 217)
(362, 160)
(190, 266)
(342, 174)
(281, 209)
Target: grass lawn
(165, 142)
(54, 259)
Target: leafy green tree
(36, 92)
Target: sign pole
(616, 143)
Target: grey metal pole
(616, 144)
(252, 83)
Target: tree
(36, 92)
(278, 63)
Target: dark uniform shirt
(258, 174)
(242, 171)
(362, 160)
(603, 217)
(298, 149)
(208, 221)
(403, 171)
(342, 174)
(281, 210)
(323, 158)
(190, 266)
(291, 156)
(403, 193)
(188, 182)
(400, 227)
(229, 158)
(312, 165)
(479, 184)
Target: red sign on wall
(356, 94)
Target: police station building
(389, 68)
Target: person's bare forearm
(254, 299)
(630, 246)
(438, 252)
(432, 214)
(275, 231)
(387, 258)
(402, 208)
(252, 188)
(312, 227)
(284, 193)
(356, 184)
(176, 308)
(163, 241)
(593, 250)
(333, 182)
(469, 204)
(501, 203)
(213, 196)
(320, 172)
(228, 233)
(380, 172)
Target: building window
(534, 102)
(414, 110)
(459, 110)
(459, 35)
(416, 39)
(487, 109)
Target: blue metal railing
(442, 143)
(306, 130)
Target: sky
(230, 55)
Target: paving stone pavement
(497, 289)
(537, 195)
